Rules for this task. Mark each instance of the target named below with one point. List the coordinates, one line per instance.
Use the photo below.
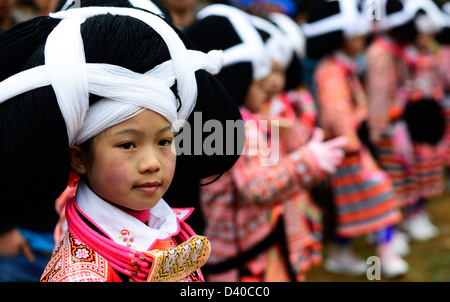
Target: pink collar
(142, 216)
(349, 64)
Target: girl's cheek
(117, 173)
(115, 169)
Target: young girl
(424, 92)
(385, 79)
(443, 39)
(363, 197)
(245, 208)
(119, 99)
(394, 71)
(295, 110)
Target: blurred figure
(28, 9)
(6, 17)
(385, 78)
(443, 38)
(45, 7)
(405, 118)
(295, 111)
(363, 195)
(24, 253)
(264, 7)
(424, 115)
(182, 12)
(25, 10)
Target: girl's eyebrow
(168, 128)
(128, 131)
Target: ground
(429, 261)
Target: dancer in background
(424, 115)
(294, 109)
(392, 61)
(443, 38)
(363, 195)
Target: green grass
(429, 261)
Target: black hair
(33, 150)
(114, 3)
(217, 32)
(322, 45)
(425, 120)
(407, 32)
(443, 37)
(294, 76)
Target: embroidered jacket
(444, 63)
(175, 258)
(73, 261)
(386, 78)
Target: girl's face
(257, 95)
(132, 163)
(354, 46)
(276, 80)
(262, 91)
(423, 41)
(6, 7)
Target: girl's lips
(149, 187)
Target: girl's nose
(149, 162)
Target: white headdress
(432, 21)
(277, 45)
(350, 20)
(251, 49)
(125, 93)
(293, 33)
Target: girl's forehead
(147, 120)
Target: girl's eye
(165, 142)
(127, 146)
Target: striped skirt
(363, 196)
(403, 176)
(424, 179)
(430, 170)
(445, 146)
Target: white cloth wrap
(252, 48)
(66, 70)
(292, 31)
(432, 21)
(125, 92)
(388, 21)
(144, 4)
(277, 45)
(350, 20)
